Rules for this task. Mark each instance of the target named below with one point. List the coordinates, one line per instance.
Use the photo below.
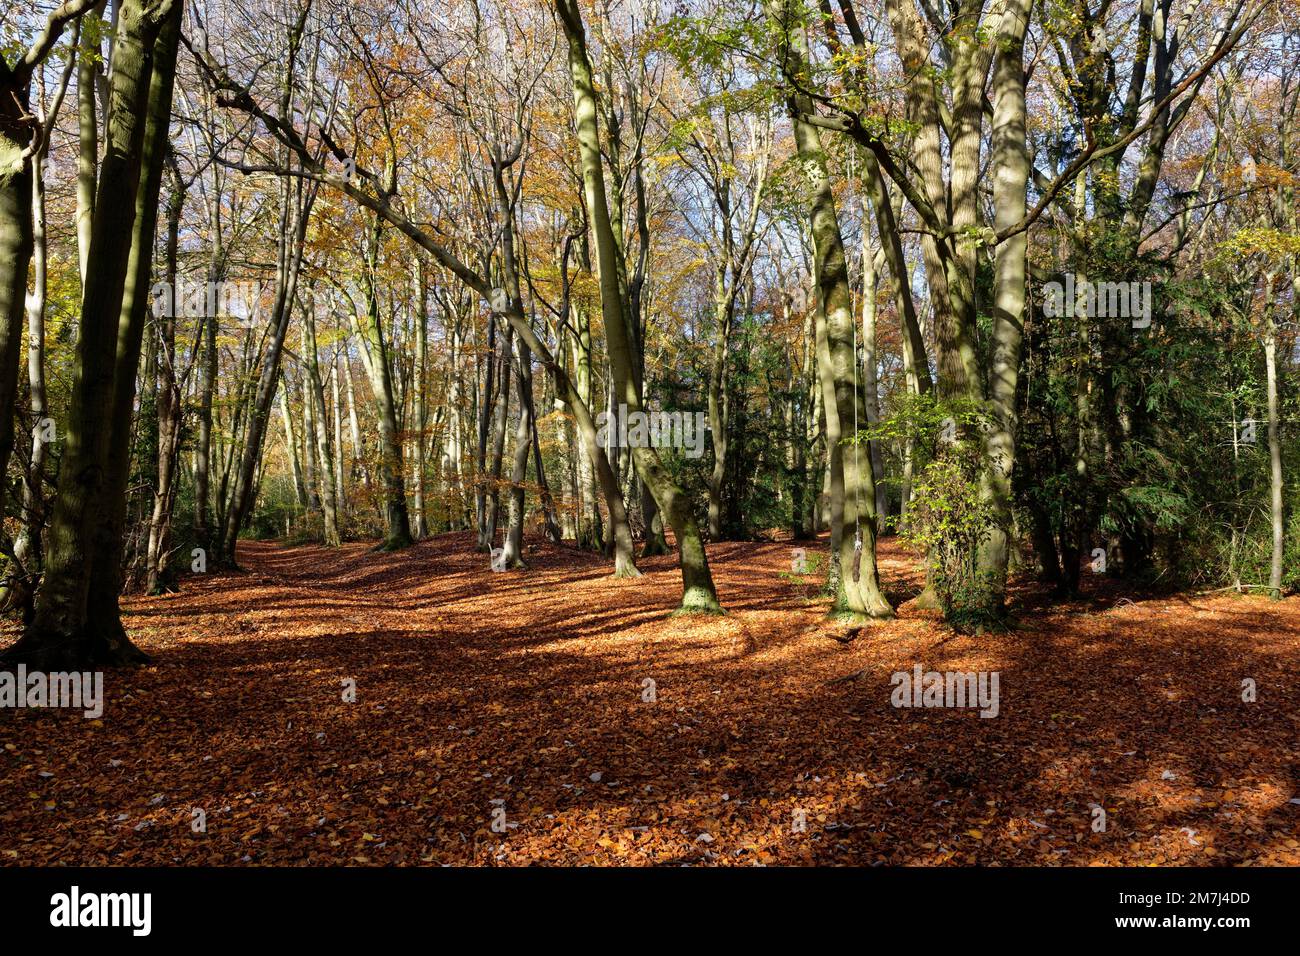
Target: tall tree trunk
(354, 423)
(834, 478)
(294, 217)
(339, 478)
(870, 384)
(324, 441)
(554, 534)
(486, 402)
(590, 533)
(419, 525)
(514, 539)
(310, 468)
(297, 200)
(291, 445)
(397, 534)
(514, 542)
(1011, 162)
(203, 452)
(60, 636)
(723, 311)
(453, 452)
(500, 420)
(624, 557)
(169, 406)
(1275, 512)
(88, 134)
(915, 364)
(698, 592)
(16, 246)
(107, 568)
(802, 429)
(27, 548)
(859, 586)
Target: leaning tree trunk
(578, 403)
(624, 561)
(698, 592)
(298, 198)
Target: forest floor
(519, 698)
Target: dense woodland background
(327, 272)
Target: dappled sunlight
(768, 737)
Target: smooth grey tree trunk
(852, 485)
(698, 592)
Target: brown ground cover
(520, 698)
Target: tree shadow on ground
(613, 732)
